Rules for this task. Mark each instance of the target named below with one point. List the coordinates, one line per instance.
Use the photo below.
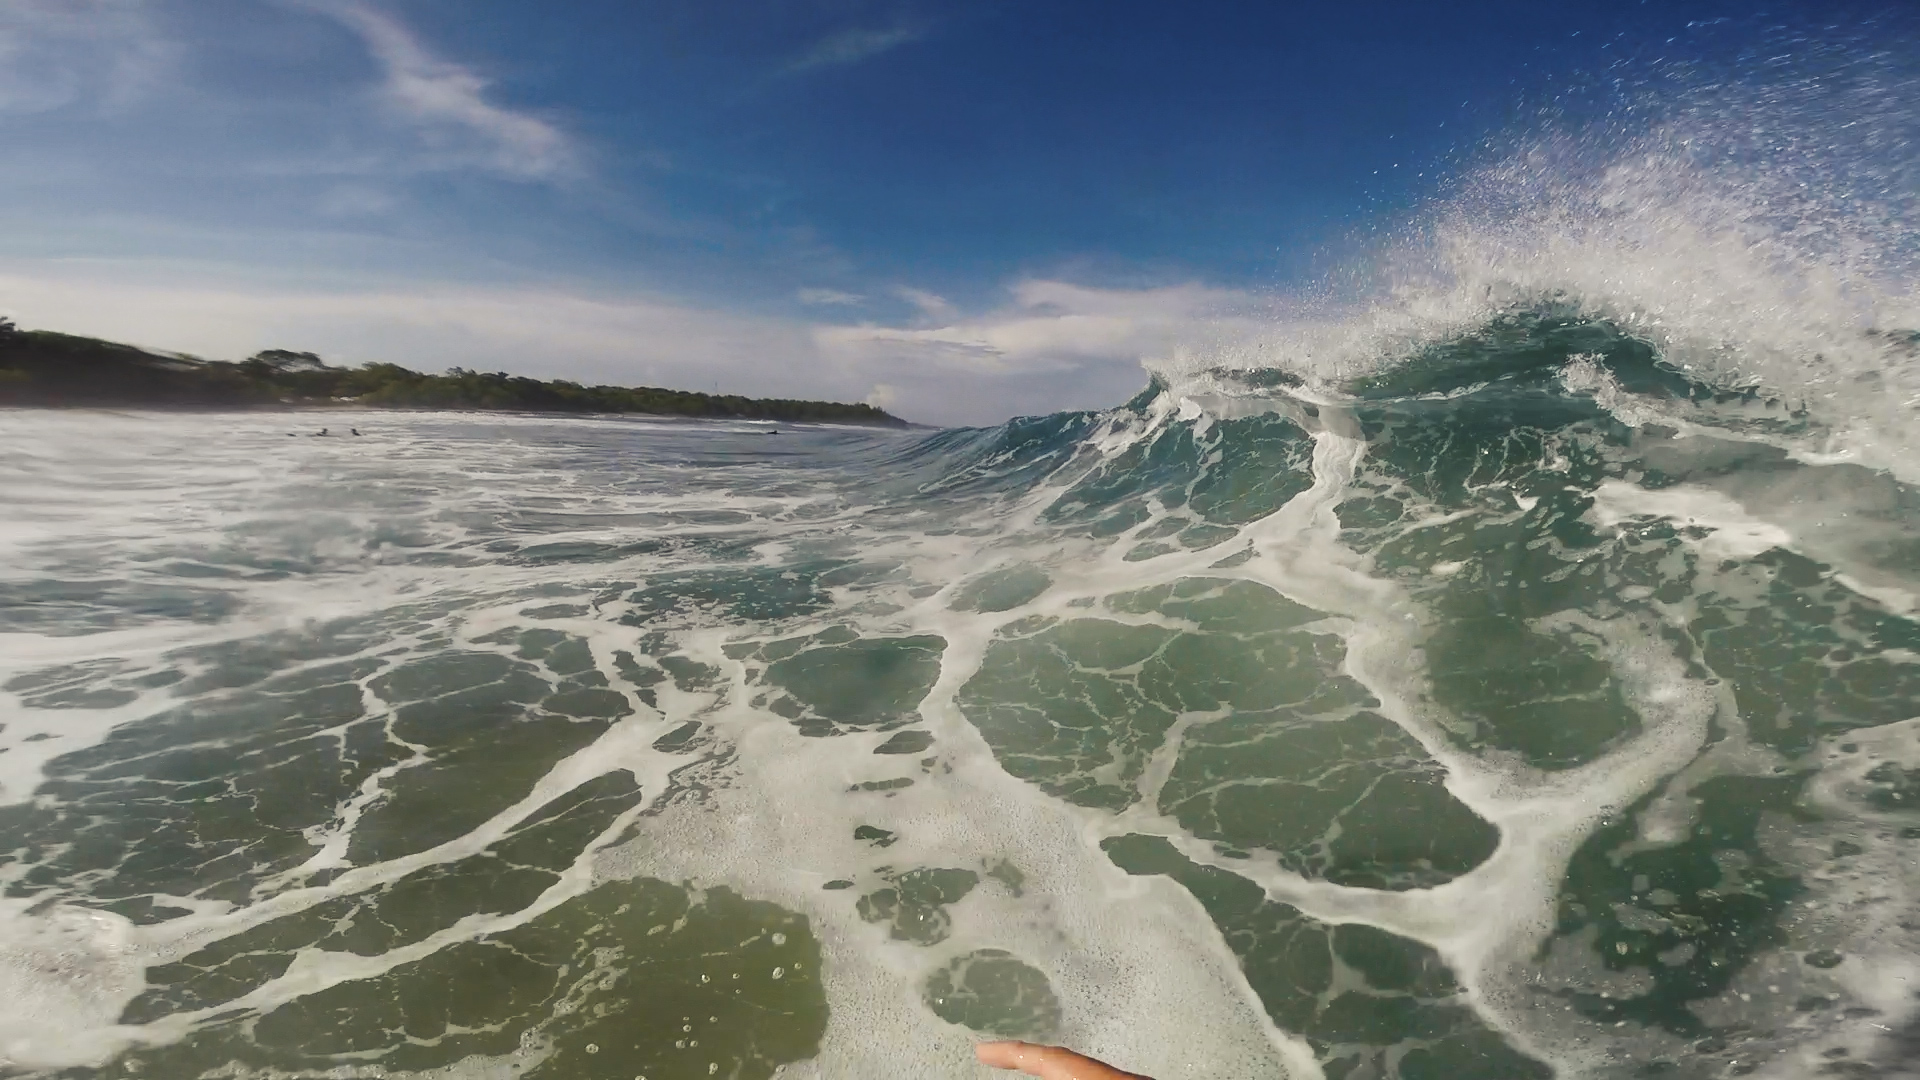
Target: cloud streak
(58, 53)
(448, 103)
(1053, 326)
(852, 46)
(1054, 345)
(831, 297)
(932, 306)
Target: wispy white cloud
(449, 104)
(852, 46)
(833, 297)
(1052, 325)
(1054, 345)
(932, 305)
(103, 54)
(355, 201)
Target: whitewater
(1503, 664)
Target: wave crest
(1752, 237)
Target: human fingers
(1047, 1062)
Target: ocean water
(1509, 668)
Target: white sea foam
(139, 518)
(784, 825)
(65, 973)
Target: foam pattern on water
(1512, 673)
(1478, 736)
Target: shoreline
(48, 370)
(893, 424)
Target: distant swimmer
(1048, 1062)
(320, 433)
(355, 430)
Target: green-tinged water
(1526, 711)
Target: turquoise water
(1513, 674)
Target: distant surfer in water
(1048, 1062)
(320, 433)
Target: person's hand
(1048, 1062)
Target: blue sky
(961, 211)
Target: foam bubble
(66, 972)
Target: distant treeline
(42, 368)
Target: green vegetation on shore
(43, 368)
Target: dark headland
(40, 368)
